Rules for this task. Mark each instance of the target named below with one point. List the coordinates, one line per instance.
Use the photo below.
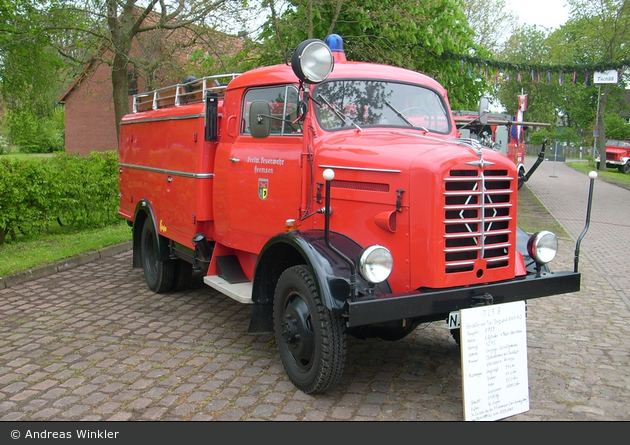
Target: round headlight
(375, 264)
(542, 246)
(312, 61)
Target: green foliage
(408, 34)
(617, 127)
(63, 189)
(33, 134)
(32, 72)
(564, 135)
(4, 145)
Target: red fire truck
(333, 197)
(617, 155)
(503, 133)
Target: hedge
(62, 189)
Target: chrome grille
(478, 213)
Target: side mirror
(259, 119)
(484, 109)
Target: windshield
(365, 103)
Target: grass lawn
(611, 176)
(32, 250)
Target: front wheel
(157, 273)
(311, 339)
(625, 168)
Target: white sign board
(609, 76)
(494, 361)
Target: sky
(547, 13)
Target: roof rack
(180, 94)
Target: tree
(109, 29)
(606, 28)
(527, 46)
(412, 34)
(31, 74)
(491, 22)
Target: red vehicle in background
(617, 155)
(332, 202)
(503, 133)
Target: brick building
(90, 123)
(89, 105)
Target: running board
(241, 292)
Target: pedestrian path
(564, 192)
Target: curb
(62, 265)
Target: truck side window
(283, 102)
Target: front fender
(332, 273)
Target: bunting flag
(519, 76)
(507, 76)
(561, 78)
(548, 77)
(532, 76)
(496, 77)
(502, 66)
(574, 75)
(486, 73)
(469, 72)
(586, 79)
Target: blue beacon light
(335, 43)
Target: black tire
(182, 275)
(157, 273)
(311, 339)
(456, 334)
(625, 168)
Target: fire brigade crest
(263, 188)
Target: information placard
(494, 361)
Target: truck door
(265, 174)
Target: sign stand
(494, 361)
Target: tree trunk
(601, 135)
(120, 85)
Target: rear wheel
(625, 168)
(311, 339)
(182, 275)
(157, 273)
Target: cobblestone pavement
(93, 343)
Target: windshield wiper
(339, 114)
(404, 118)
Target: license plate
(453, 320)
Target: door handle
(234, 160)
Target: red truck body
(347, 206)
(617, 155)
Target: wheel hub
(297, 331)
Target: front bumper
(434, 304)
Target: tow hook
(481, 300)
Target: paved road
(93, 343)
